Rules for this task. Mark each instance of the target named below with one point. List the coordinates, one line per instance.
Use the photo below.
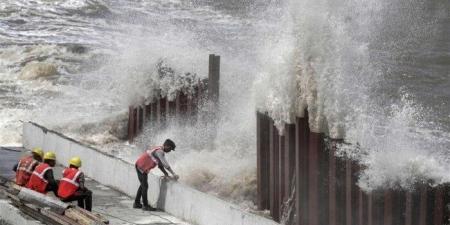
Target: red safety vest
(37, 181)
(69, 183)
(25, 169)
(146, 162)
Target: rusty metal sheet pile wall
(185, 105)
(326, 190)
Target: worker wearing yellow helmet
(42, 179)
(26, 166)
(72, 188)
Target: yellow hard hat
(38, 151)
(75, 161)
(50, 156)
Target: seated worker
(42, 179)
(71, 187)
(26, 165)
(147, 161)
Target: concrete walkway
(118, 208)
(114, 205)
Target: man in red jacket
(42, 179)
(26, 166)
(147, 161)
(72, 188)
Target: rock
(76, 48)
(35, 70)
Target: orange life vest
(25, 169)
(69, 184)
(37, 181)
(146, 161)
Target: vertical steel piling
(263, 160)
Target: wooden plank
(80, 218)
(34, 213)
(94, 216)
(57, 218)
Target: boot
(137, 205)
(148, 208)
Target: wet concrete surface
(114, 205)
(8, 158)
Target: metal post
(361, 208)
(181, 105)
(378, 207)
(313, 178)
(332, 183)
(356, 209)
(322, 180)
(387, 207)
(192, 109)
(161, 111)
(281, 172)
(195, 102)
(130, 124)
(423, 206)
(171, 109)
(263, 160)
(274, 173)
(398, 207)
(136, 121)
(369, 209)
(408, 210)
(141, 118)
(438, 210)
(289, 158)
(214, 78)
(341, 190)
(348, 192)
(154, 111)
(148, 112)
(301, 168)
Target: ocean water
(76, 65)
(374, 73)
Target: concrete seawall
(175, 198)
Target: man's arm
(163, 170)
(34, 166)
(50, 178)
(160, 165)
(81, 181)
(162, 162)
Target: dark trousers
(142, 190)
(52, 187)
(84, 198)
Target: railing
(325, 185)
(185, 105)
